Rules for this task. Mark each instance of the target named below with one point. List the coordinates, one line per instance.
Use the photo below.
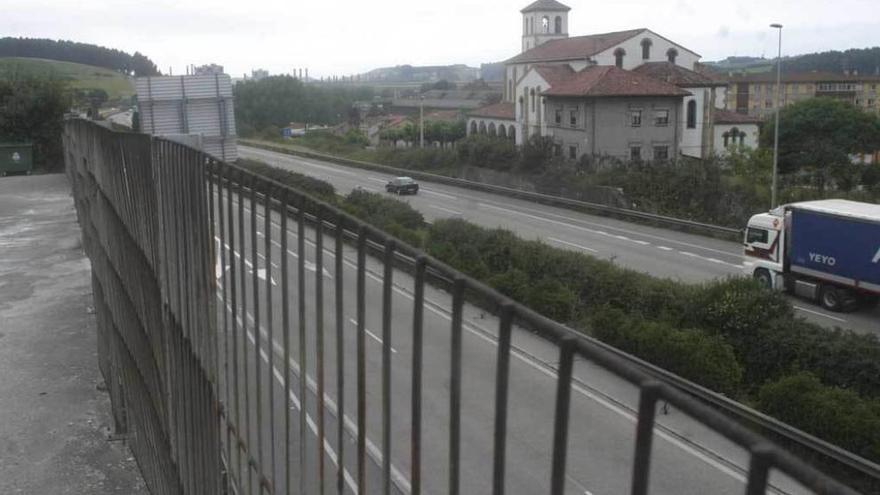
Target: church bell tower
(544, 20)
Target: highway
(688, 458)
(659, 252)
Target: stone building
(629, 94)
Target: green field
(78, 76)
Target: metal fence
(234, 333)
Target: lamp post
(421, 121)
(778, 105)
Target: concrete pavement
(54, 419)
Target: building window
(726, 136)
(573, 152)
(573, 117)
(661, 118)
(618, 57)
(532, 92)
(558, 25)
(635, 118)
(661, 153)
(473, 127)
(870, 103)
(768, 103)
(646, 48)
(545, 25)
(692, 114)
(558, 118)
(557, 150)
(635, 153)
(671, 55)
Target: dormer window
(618, 57)
(646, 49)
(671, 54)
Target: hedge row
(728, 335)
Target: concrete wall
(659, 46)
(692, 139)
(614, 136)
(529, 116)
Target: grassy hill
(79, 76)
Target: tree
(817, 136)
(32, 109)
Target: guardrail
(624, 213)
(235, 396)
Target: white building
(619, 93)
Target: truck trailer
(827, 251)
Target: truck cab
(827, 251)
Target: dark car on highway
(402, 185)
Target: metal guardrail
(700, 227)
(166, 229)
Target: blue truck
(827, 251)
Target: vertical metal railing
(199, 267)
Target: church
(633, 94)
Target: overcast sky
(351, 36)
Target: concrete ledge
(55, 422)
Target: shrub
(310, 185)
(696, 355)
(380, 210)
(834, 414)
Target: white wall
(526, 115)
(750, 141)
(633, 47)
(692, 139)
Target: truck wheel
(830, 298)
(762, 276)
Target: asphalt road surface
(687, 457)
(659, 252)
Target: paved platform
(54, 416)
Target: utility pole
(778, 105)
(421, 121)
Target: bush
(696, 355)
(31, 110)
(834, 414)
(307, 184)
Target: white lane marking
(331, 452)
(373, 335)
(819, 313)
(623, 238)
(688, 253)
(399, 479)
(376, 179)
(571, 244)
(664, 248)
(442, 195)
(482, 333)
(643, 243)
(285, 157)
(447, 210)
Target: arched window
(525, 26)
(492, 131)
(671, 54)
(473, 127)
(502, 131)
(726, 136)
(618, 57)
(482, 127)
(742, 138)
(558, 25)
(692, 114)
(522, 108)
(532, 93)
(646, 49)
(510, 87)
(545, 25)
(511, 132)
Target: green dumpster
(16, 157)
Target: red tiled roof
(554, 74)
(728, 117)
(676, 74)
(443, 116)
(502, 110)
(608, 80)
(578, 47)
(546, 5)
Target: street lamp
(778, 104)
(421, 121)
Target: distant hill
(80, 53)
(78, 76)
(408, 73)
(865, 61)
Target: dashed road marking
(372, 335)
(571, 244)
